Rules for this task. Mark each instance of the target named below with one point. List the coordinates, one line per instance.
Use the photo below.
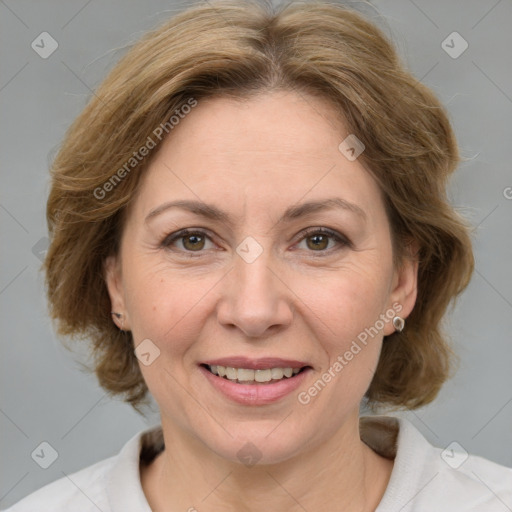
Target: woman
(249, 221)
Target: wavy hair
(238, 49)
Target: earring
(398, 323)
(119, 316)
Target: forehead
(264, 151)
(263, 127)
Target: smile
(250, 376)
(255, 387)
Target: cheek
(169, 311)
(351, 351)
(346, 322)
(164, 306)
(346, 302)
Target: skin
(297, 300)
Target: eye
(194, 240)
(317, 239)
(191, 240)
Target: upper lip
(256, 364)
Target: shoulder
(453, 479)
(469, 482)
(83, 490)
(112, 484)
(426, 477)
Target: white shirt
(424, 478)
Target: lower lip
(255, 394)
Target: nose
(254, 298)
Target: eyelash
(341, 240)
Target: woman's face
(256, 279)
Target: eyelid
(323, 230)
(181, 233)
(341, 239)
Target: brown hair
(237, 49)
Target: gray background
(45, 396)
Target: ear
(113, 278)
(404, 288)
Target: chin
(258, 444)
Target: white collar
(387, 435)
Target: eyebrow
(209, 211)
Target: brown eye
(193, 242)
(187, 241)
(319, 241)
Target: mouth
(252, 376)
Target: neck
(340, 474)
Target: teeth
(231, 373)
(245, 375)
(262, 375)
(248, 375)
(277, 373)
